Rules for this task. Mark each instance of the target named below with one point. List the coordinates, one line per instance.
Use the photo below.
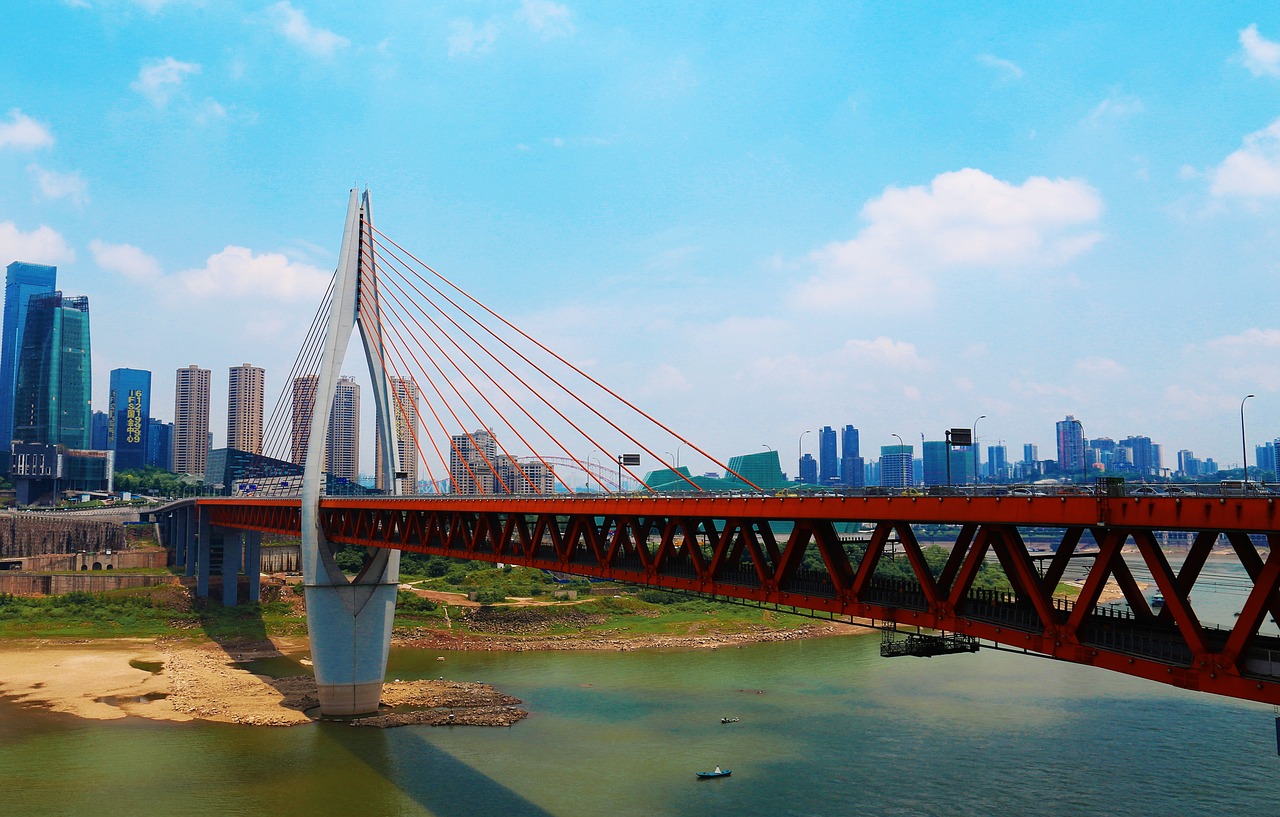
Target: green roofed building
(760, 469)
(668, 480)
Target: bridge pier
(204, 550)
(253, 564)
(190, 537)
(230, 567)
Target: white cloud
(1253, 171)
(965, 220)
(1261, 56)
(1007, 69)
(466, 38)
(236, 273)
(1115, 106)
(210, 111)
(125, 259)
(159, 80)
(547, 19)
(297, 29)
(43, 245)
(54, 185)
(883, 351)
(22, 132)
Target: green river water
(827, 728)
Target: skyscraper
(935, 464)
(404, 406)
(191, 421)
(342, 442)
(159, 444)
(828, 461)
(51, 397)
(245, 386)
(1070, 446)
(128, 416)
(342, 447)
(997, 462)
(808, 470)
(21, 282)
(851, 465)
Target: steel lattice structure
(727, 546)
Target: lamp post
(901, 450)
(976, 455)
(678, 447)
(1244, 448)
(800, 457)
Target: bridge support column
(350, 629)
(173, 538)
(190, 537)
(253, 564)
(230, 567)
(204, 551)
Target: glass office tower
(51, 401)
(21, 282)
(129, 411)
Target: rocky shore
(423, 638)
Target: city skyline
(732, 216)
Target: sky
(754, 220)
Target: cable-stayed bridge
(499, 493)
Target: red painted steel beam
(573, 536)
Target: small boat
(730, 720)
(717, 773)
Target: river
(827, 728)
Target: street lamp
(1244, 449)
(678, 447)
(976, 463)
(902, 448)
(800, 457)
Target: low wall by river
(31, 584)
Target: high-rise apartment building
(471, 463)
(303, 400)
(1030, 453)
(526, 476)
(342, 448)
(128, 416)
(828, 461)
(246, 385)
(1070, 446)
(404, 406)
(22, 280)
(51, 397)
(191, 421)
(808, 470)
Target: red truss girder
(726, 546)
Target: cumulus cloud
(236, 273)
(1095, 367)
(964, 220)
(159, 80)
(43, 245)
(547, 19)
(1253, 171)
(55, 185)
(126, 260)
(21, 132)
(1007, 69)
(466, 38)
(1261, 56)
(293, 24)
(883, 351)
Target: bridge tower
(349, 620)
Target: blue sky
(753, 219)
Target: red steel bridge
(726, 546)
(478, 413)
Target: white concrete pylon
(349, 621)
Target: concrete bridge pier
(191, 535)
(231, 559)
(253, 564)
(203, 552)
(350, 629)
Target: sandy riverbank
(183, 681)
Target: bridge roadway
(726, 545)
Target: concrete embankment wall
(28, 584)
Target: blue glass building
(159, 444)
(51, 397)
(128, 413)
(21, 282)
